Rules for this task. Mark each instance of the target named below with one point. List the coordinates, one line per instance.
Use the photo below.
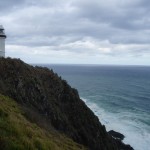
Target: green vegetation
(18, 133)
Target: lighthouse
(2, 41)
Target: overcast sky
(77, 31)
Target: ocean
(118, 95)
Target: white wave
(135, 134)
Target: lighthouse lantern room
(2, 41)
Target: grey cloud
(61, 24)
(6, 6)
(128, 15)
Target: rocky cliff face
(41, 91)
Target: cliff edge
(51, 103)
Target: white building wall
(2, 47)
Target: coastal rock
(123, 146)
(116, 135)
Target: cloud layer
(105, 29)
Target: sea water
(118, 95)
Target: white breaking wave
(135, 133)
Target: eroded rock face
(42, 90)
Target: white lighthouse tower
(2, 41)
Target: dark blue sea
(118, 95)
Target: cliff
(51, 103)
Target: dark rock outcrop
(41, 90)
(116, 135)
(123, 146)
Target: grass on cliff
(17, 133)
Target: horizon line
(73, 64)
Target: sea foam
(134, 132)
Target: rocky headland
(49, 102)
